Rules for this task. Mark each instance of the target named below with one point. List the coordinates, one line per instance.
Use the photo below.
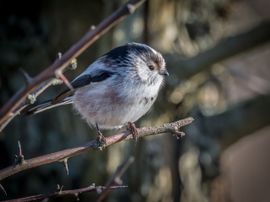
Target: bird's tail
(40, 107)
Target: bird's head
(140, 60)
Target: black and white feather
(119, 87)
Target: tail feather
(37, 108)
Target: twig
(3, 190)
(65, 161)
(92, 145)
(19, 158)
(60, 193)
(32, 98)
(115, 179)
(26, 76)
(10, 109)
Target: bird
(117, 89)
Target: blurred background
(218, 56)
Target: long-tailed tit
(119, 87)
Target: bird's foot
(101, 139)
(178, 134)
(133, 130)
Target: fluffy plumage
(119, 87)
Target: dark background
(218, 58)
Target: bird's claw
(178, 134)
(100, 138)
(133, 130)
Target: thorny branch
(60, 193)
(13, 107)
(171, 128)
(113, 183)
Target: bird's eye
(151, 67)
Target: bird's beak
(164, 72)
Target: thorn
(3, 189)
(60, 75)
(20, 148)
(65, 161)
(77, 196)
(98, 190)
(59, 188)
(26, 76)
(59, 54)
(130, 8)
(118, 181)
(19, 158)
(73, 64)
(93, 27)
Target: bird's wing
(84, 80)
(65, 97)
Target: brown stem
(60, 193)
(9, 110)
(92, 145)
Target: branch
(12, 107)
(72, 192)
(60, 156)
(113, 183)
